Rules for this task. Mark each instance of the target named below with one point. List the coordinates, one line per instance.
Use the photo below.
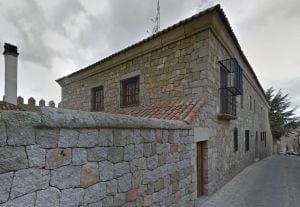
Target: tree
(282, 117)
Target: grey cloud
(291, 87)
(30, 22)
(271, 12)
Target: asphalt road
(272, 182)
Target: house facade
(194, 71)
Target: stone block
(115, 154)
(147, 200)
(152, 162)
(5, 185)
(3, 135)
(97, 154)
(148, 135)
(66, 177)
(124, 183)
(23, 201)
(112, 187)
(28, 181)
(121, 169)
(19, 134)
(106, 171)
(12, 158)
(79, 156)
(138, 164)
(36, 156)
(72, 197)
(150, 149)
(131, 195)
(138, 150)
(105, 137)
(120, 137)
(88, 138)
(137, 178)
(94, 193)
(120, 199)
(89, 174)
(58, 157)
(108, 201)
(48, 198)
(68, 138)
(47, 138)
(129, 152)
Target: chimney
(11, 73)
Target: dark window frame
(130, 92)
(235, 140)
(247, 140)
(97, 101)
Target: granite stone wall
(223, 162)
(58, 157)
(174, 70)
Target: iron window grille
(234, 77)
(130, 92)
(231, 85)
(98, 99)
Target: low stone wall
(58, 157)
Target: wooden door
(201, 152)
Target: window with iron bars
(97, 99)
(130, 92)
(231, 85)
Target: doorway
(201, 167)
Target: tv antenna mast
(156, 21)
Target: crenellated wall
(58, 157)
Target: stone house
(194, 71)
(291, 141)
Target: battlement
(32, 106)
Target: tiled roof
(8, 106)
(184, 109)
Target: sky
(58, 37)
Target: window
(235, 140)
(130, 92)
(247, 134)
(97, 99)
(254, 105)
(242, 101)
(231, 85)
(250, 103)
(265, 138)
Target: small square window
(235, 140)
(130, 91)
(247, 134)
(97, 99)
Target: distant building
(194, 71)
(291, 141)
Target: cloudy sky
(57, 37)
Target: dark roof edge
(145, 40)
(230, 30)
(214, 8)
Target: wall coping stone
(64, 118)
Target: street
(272, 182)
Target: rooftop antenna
(156, 21)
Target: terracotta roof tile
(184, 109)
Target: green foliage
(282, 117)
